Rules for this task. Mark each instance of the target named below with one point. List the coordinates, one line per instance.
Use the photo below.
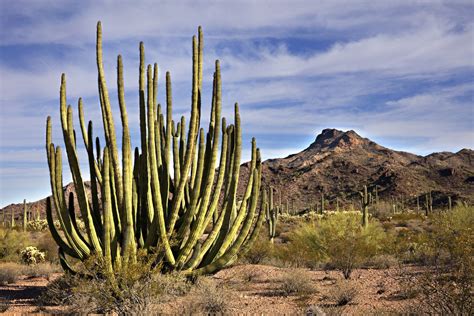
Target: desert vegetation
(179, 226)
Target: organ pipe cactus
(163, 196)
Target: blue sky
(398, 72)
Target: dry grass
(342, 293)
(209, 297)
(10, 272)
(296, 282)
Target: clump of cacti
(161, 198)
(32, 255)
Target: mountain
(339, 163)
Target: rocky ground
(264, 290)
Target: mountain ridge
(338, 163)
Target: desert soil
(257, 289)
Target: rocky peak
(331, 138)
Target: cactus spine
(143, 206)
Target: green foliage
(447, 286)
(11, 242)
(339, 241)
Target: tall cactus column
(365, 207)
(272, 217)
(25, 215)
(145, 208)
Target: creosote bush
(447, 286)
(339, 241)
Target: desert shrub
(171, 285)
(382, 210)
(383, 261)
(129, 290)
(59, 292)
(447, 286)
(342, 293)
(339, 241)
(296, 282)
(31, 255)
(11, 241)
(260, 250)
(209, 297)
(46, 244)
(9, 272)
(407, 216)
(44, 270)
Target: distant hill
(339, 163)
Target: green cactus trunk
(12, 223)
(365, 207)
(143, 206)
(25, 215)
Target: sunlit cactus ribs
(160, 199)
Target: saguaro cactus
(143, 205)
(365, 207)
(12, 223)
(25, 215)
(271, 217)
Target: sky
(398, 72)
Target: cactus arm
(55, 234)
(109, 120)
(247, 245)
(155, 184)
(179, 193)
(87, 141)
(79, 183)
(232, 250)
(230, 237)
(94, 180)
(129, 245)
(107, 207)
(212, 211)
